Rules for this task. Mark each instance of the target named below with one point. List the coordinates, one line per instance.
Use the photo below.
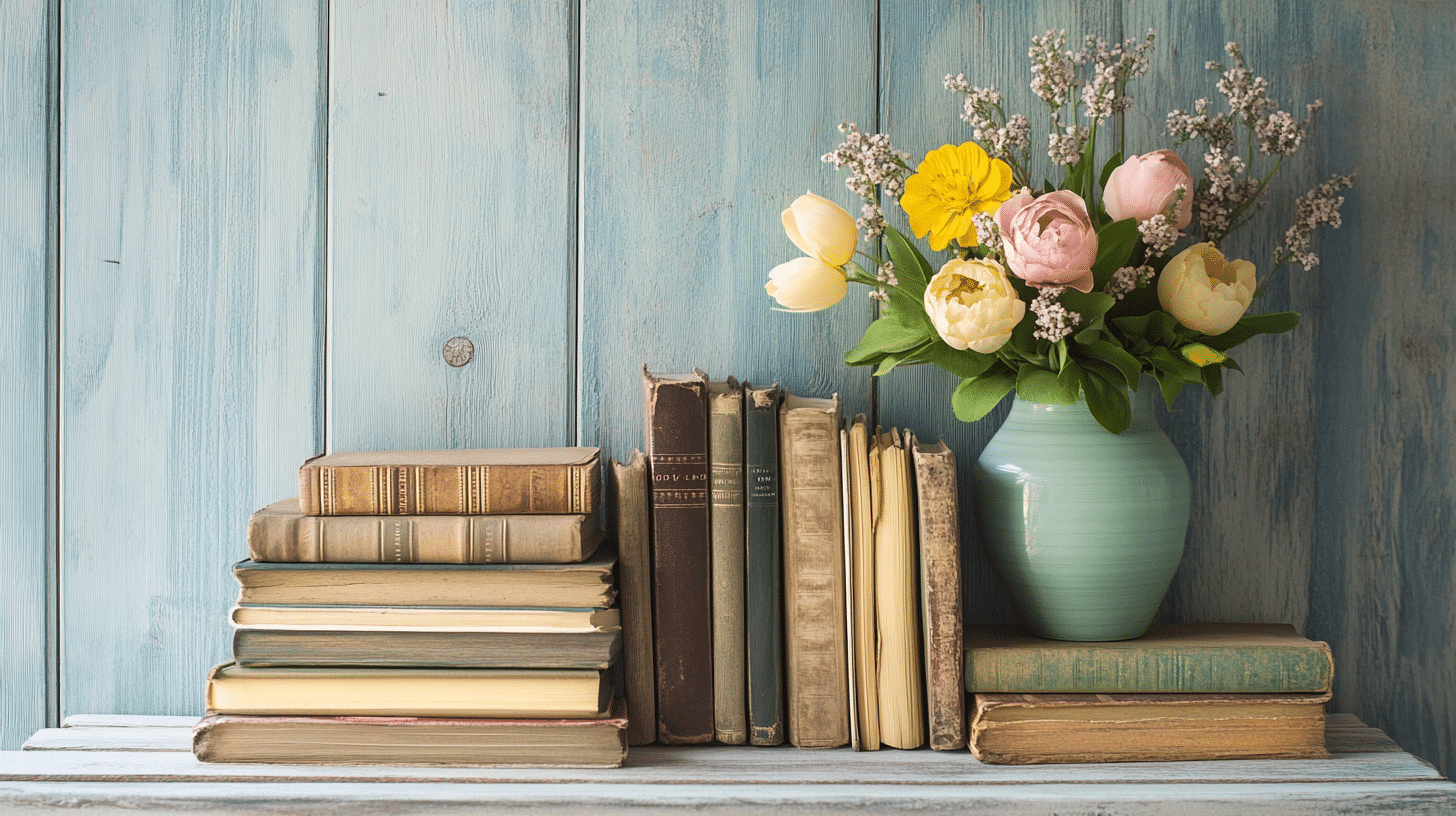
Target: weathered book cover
(864, 638)
(281, 532)
(1180, 657)
(451, 482)
(815, 653)
(897, 602)
(589, 584)
(725, 459)
(1029, 729)
(677, 459)
(426, 649)
(763, 567)
(428, 741)
(936, 499)
(634, 579)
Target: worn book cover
(725, 461)
(1027, 729)
(763, 574)
(589, 584)
(425, 648)
(897, 602)
(677, 461)
(634, 579)
(1179, 657)
(936, 500)
(282, 532)
(451, 482)
(427, 741)
(863, 632)
(815, 645)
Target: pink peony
(1049, 240)
(1146, 185)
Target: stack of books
(425, 608)
(787, 575)
(1193, 691)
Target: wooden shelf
(124, 764)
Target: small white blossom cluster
(885, 274)
(1215, 129)
(1318, 206)
(1223, 193)
(1066, 147)
(1008, 139)
(1110, 67)
(872, 163)
(1280, 135)
(988, 233)
(1053, 320)
(1053, 71)
(1127, 279)
(1159, 233)
(1054, 78)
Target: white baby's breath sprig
(1318, 206)
(1127, 279)
(873, 164)
(1053, 320)
(1003, 137)
(988, 233)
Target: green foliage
(976, 396)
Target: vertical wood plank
(702, 121)
(1384, 571)
(189, 273)
(451, 215)
(27, 276)
(922, 42)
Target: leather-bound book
(940, 593)
(634, 579)
(725, 460)
(763, 567)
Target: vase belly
(1085, 526)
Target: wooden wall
(236, 234)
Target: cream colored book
(862, 583)
(424, 618)
(400, 692)
(897, 602)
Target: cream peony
(1049, 240)
(972, 305)
(806, 285)
(821, 228)
(1204, 291)
(1146, 185)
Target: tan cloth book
(897, 602)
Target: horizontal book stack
(798, 576)
(1182, 692)
(425, 608)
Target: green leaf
(1156, 327)
(963, 364)
(1090, 305)
(1115, 244)
(1070, 378)
(897, 358)
(1039, 385)
(1213, 379)
(883, 336)
(1107, 400)
(1114, 355)
(1250, 325)
(910, 266)
(977, 396)
(1112, 164)
(908, 309)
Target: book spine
(325, 490)
(763, 578)
(677, 458)
(901, 689)
(1305, 667)
(634, 577)
(513, 539)
(816, 661)
(725, 457)
(421, 649)
(863, 632)
(940, 594)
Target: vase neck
(1144, 416)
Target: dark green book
(424, 649)
(763, 570)
(1172, 658)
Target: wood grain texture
(702, 121)
(27, 324)
(451, 215)
(189, 268)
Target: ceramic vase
(1086, 527)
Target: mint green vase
(1086, 527)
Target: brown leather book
(940, 593)
(677, 459)
(451, 482)
(634, 580)
(815, 643)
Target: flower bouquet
(1065, 290)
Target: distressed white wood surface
(1366, 774)
(27, 277)
(189, 274)
(450, 215)
(701, 122)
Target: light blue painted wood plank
(701, 122)
(451, 215)
(922, 43)
(189, 269)
(27, 276)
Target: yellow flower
(952, 184)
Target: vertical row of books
(787, 575)
(425, 608)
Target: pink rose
(1146, 185)
(1049, 240)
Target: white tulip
(972, 305)
(821, 228)
(806, 285)
(1204, 291)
